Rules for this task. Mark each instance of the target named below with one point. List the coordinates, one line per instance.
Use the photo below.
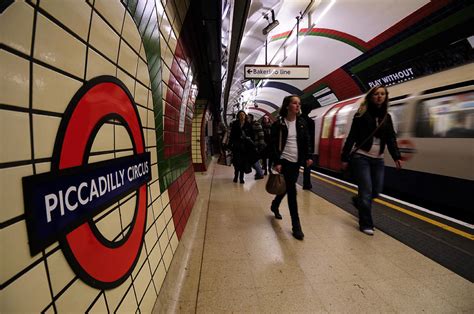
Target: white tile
(99, 306)
(17, 25)
(142, 74)
(58, 48)
(129, 304)
(15, 146)
(43, 167)
(122, 139)
(14, 240)
(27, 294)
(148, 300)
(11, 191)
(103, 38)
(127, 211)
(172, 42)
(45, 129)
(130, 33)
(104, 140)
(60, 273)
(116, 294)
(143, 52)
(98, 65)
(154, 256)
(101, 157)
(142, 280)
(151, 139)
(127, 80)
(151, 237)
(78, 297)
(113, 11)
(128, 60)
(77, 22)
(165, 28)
(159, 276)
(109, 226)
(141, 95)
(52, 91)
(14, 80)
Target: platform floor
(235, 257)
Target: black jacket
(279, 135)
(362, 127)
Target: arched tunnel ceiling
(332, 33)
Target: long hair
(367, 104)
(284, 106)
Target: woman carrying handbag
(289, 149)
(371, 130)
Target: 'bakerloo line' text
(91, 189)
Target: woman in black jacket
(371, 130)
(240, 133)
(290, 142)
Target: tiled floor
(235, 257)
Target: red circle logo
(98, 261)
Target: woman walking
(290, 142)
(240, 132)
(371, 130)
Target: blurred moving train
(434, 120)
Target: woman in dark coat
(290, 142)
(371, 130)
(241, 134)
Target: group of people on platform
(287, 144)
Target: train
(434, 120)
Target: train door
(341, 129)
(325, 141)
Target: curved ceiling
(331, 34)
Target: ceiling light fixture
(274, 23)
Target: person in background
(266, 160)
(259, 141)
(305, 110)
(290, 142)
(240, 129)
(371, 130)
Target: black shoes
(235, 179)
(241, 181)
(298, 233)
(257, 177)
(307, 187)
(276, 212)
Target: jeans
(290, 171)
(258, 169)
(369, 174)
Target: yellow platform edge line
(403, 210)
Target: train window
(396, 112)
(450, 116)
(341, 121)
(327, 121)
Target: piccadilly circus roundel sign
(60, 205)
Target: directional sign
(276, 72)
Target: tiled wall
(201, 150)
(49, 51)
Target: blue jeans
(369, 174)
(258, 169)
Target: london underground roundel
(98, 261)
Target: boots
(297, 232)
(242, 177)
(275, 211)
